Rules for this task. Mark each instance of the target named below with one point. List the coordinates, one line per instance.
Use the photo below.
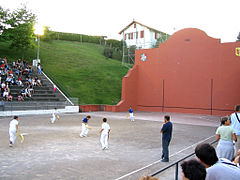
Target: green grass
(81, 68)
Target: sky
(218, 18)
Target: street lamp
(39, 31)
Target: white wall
(145, 43)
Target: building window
(131, 35)
(155, 35)
(134, 25)
(136, 35)
(125, 36)
(142, 34)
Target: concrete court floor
(55, 151)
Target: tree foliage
(108, 52)
(238, 38)
(4, 16)
(48, 35)
(20, 30)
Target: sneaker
(10, 145)
(165, 160)
(80, 135)
(103, 148)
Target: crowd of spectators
(18, 73)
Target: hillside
(80, 67)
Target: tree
(3, 19)
(48, 35)
(238, 38)
(21, 32)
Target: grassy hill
(80, 67)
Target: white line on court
(137, 170)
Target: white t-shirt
(235, 123)
(12, 125)
(105, 127)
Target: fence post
(163, 96)
(211, 96)
(176, 175)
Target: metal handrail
(60, 86)
(176, 163)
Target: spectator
(5, 94)
(39, 69)
(20, 97)
(217, 169)
(54, 88)
(30, 89)
(166, 138)
(148, 178)
(10, 97)
(39, 84)
(23, 93)
(20, 81)
(193, 170)
(237, 159)
(225, 134)
(235, 123)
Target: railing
(176, 164)
(59, 85)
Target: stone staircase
(43, 97)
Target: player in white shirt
(54, 116)
(13, 128)
(105, 131)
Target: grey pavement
(55, 151)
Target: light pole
(39, 30)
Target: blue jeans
(165, 151)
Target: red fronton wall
(189, 73)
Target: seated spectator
(10, 97)
(193, 170)
(148, 178)
(27, 92)
(20, 82)
(10, 72)
(20, 97)
(237, 159)
(23, 93)
(217, 169)
(39, 84)
(30, 89)
(5, 94)
(34, 82)
(17, 72)
(225, 134)
(3, 86)
(8, 79)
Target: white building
(141, 36)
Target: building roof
(133, 22)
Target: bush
(108, 52)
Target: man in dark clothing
(166, 138)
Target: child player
(105, 131)
(131, 113)
(54, 116)
(85, 129)
(13, 128)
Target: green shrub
(108, 52)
